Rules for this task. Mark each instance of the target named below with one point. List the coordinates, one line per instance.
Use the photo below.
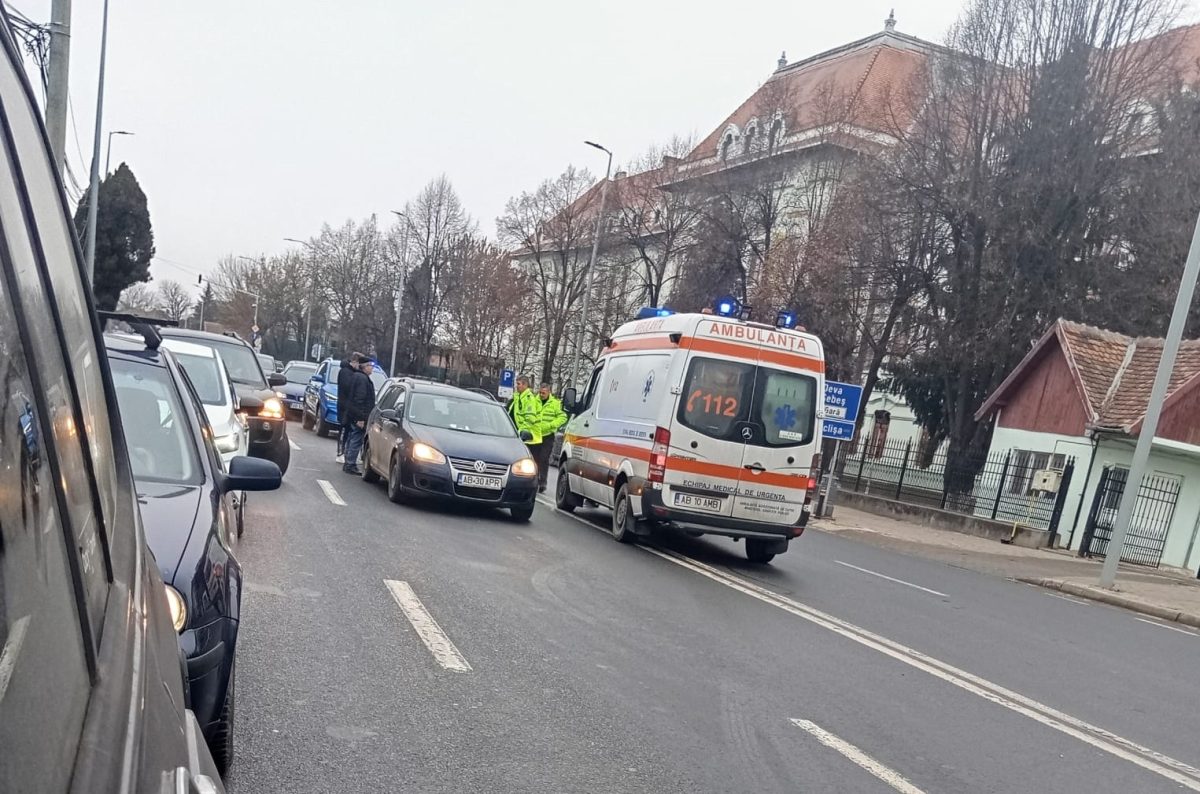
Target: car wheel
(221, 743)
(368, 474)
(394, 489)
(521, 514)
(563, 498)
(622, 516)
(756, 551)
(322, 425)
(306, 419)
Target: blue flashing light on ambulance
(705, 422)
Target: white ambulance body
(709, 423)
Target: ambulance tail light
(810, 488)
(658, 454)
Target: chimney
(782, 60)
(889, 24)
(620, 175)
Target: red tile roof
(1114, 373)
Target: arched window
(748, 145)
(726, 145)
(775, 133)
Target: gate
(1152, 515)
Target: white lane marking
(1118, 746)
(1168, 628)
(12, 649)
(293, 445)
(888, 775)
(892, 579)
(1079, 601)
(330, 493)
(443, 650)
(1150, 760)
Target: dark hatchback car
(91, 685)
(189, 516)
(297, 374)
(255, 389)
(443, 442)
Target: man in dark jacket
(348, 368)
(360, 401)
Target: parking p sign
(507, 380)
(841, 410)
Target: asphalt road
(559, 660)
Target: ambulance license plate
(478, 481)
(708, 504)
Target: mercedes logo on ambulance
(747, 433)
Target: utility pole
(587, 295)
(57, 79)
(94, 188)
(312, 292)
(399, 290)
(1158, 394)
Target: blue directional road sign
(841, 409)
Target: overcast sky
(262, 119)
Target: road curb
(1115, 599)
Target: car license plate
(709, 504)
(294, 404)
(479, 481)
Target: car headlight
(427, 454)
(228, 443)
(272, 408)
(525, 467)
(178, 607)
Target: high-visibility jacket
(551, 416)
(525, 409)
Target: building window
(775, 133)
(1025, 463)
(726, 144)
(748, 145)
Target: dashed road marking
(893, 579)
(331, 493)
(443, 650)
(293, 445)
(888, 775)
(1165, 626)
(1151, 760)
(11, 650)
(1062, 597)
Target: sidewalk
(1163, 593)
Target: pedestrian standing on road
(361, 401)
(551, 417)
(524, 410)
(348, 368)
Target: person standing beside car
(524, 410)
(551, 417)
(348, 368)
(360, 401)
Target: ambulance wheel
(623, 520)
(756, 550)
(563, 498)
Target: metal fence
(998, 486)
(1153, 512)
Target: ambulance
(708, 423)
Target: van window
(590, 395)
(633, 387)
(718, 396)
(44, 683)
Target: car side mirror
(317, 379)
(526, 436)
(569, 400)
(276, 379)
(251, 474)
(388, 414)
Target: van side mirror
(569, 400)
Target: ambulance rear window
(716, 396)
(721, 399)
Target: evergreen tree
(124, 238)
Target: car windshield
(267, 361)
(161, 445)
(240, 361)
(299, 373)
(205, 374)
(459, 413)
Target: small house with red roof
(1082, 392)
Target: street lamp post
(108, 154)
(399, 290)
(312, 292)
(94, 186)
(587, 295)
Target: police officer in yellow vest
(551, 417)
(525, 409)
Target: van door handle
(757, 468)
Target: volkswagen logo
(747, 433)
(480, 466)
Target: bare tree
(139, 299)
(550, 231)
(174, 300)
(483, 309)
